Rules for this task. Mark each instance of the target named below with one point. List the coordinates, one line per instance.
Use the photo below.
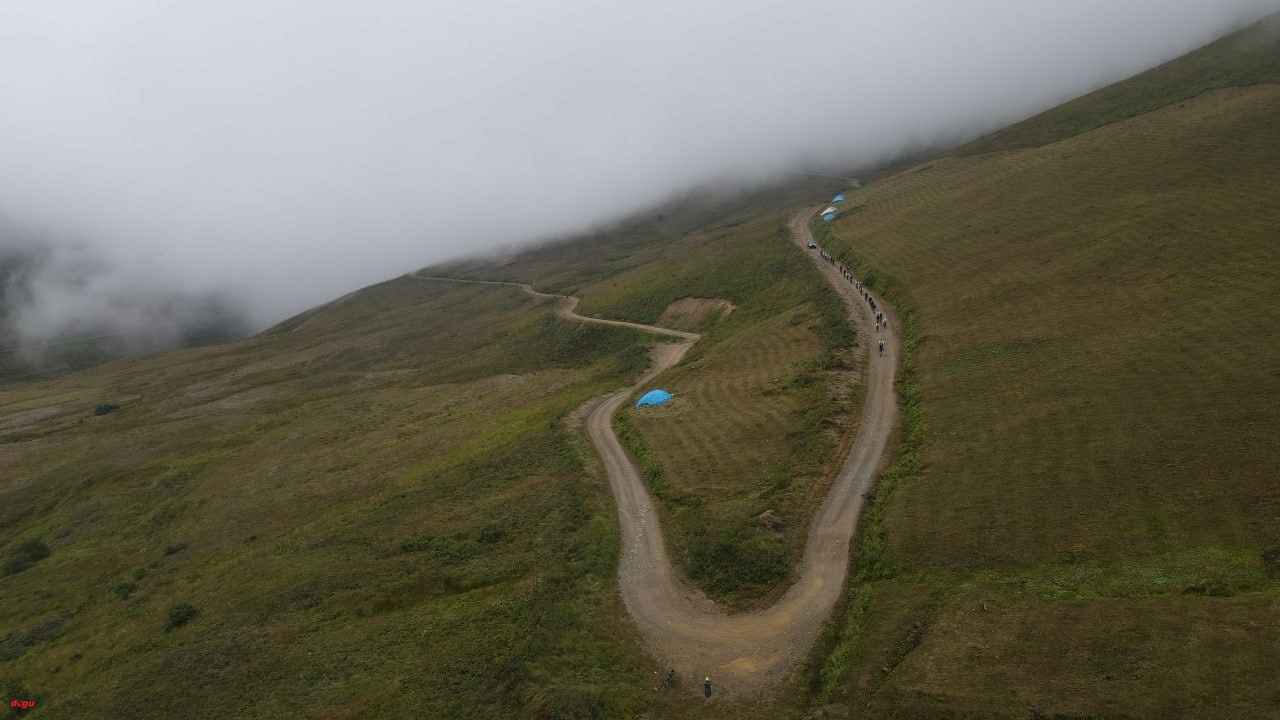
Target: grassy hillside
(649, 240)
(377, 507)
(721, 437)
(380, 508)
(379, 513)
(1093, 526)
(762, 402)
(1248, 57)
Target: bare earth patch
(691, 313)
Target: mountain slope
(1092, 526)
(355, 510)
(376, 507)
(1248, 57)
(381, 508)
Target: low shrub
(491, 533)
(26, 554)
(180, 615)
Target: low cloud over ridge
(290, 151)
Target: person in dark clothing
(706, 691)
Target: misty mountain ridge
(298, 168)
(62, 309)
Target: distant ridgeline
(1248, 57)
(154, 321)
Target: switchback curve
(745, 652)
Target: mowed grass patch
(990, 652)
(722, 427)
(744, 437)
(1073, 352)
(762, 402)
(364, 522)
(1100, 390)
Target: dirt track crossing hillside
(747, 652)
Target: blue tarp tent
(829, 217)
(837, 198)
(655, 397)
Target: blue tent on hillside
(837, 198)
(828, 217)
(655, 397)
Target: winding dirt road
(747, 652)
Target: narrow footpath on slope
(745, 652)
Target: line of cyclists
(881, 320)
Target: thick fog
(284, 152)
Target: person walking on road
(706, 691)
(882, 348)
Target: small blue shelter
(828, 217)
(655, 397)
(837, 198)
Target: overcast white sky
(298, 149)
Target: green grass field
(744, 437)
(378, 514)
(1093, 323)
